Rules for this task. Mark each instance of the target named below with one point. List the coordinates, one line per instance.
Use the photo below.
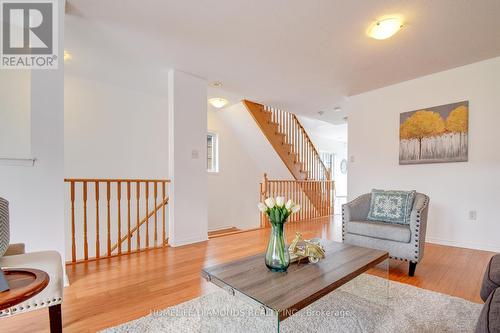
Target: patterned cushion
(391, 206)
(4, 226)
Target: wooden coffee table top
(302, 284)
(24, 283)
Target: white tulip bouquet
(277, 256)
(277, 210)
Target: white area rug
(366, 304)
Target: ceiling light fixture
(385, 28)
(218, 102)
(216, 84)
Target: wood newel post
(73, 242)
(97, 228)
(108, 216)
(85, 240)
(119, 199)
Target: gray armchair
(48, 261)
(403, 242)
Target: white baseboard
(186, 241)
(467, 245)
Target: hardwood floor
(112, 291)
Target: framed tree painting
(435, 135)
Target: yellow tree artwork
(434, 135)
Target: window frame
(333, 157)
(215, 153)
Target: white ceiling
(302, 56)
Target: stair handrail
(318, 156)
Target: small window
(212, 153)
(329, 161)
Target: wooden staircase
(293, 145)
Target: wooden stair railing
(141, 223)
(300, 191)
(121, 222)
(293, 145)
(290, 140)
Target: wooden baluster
(319, 199)
(306, 202)
(283, 122)
(164, 235)
(294, 140)
(294, 194)
(325, 196)
(155, 193)
(304, 153)
(310, 215)
(147, 213)
(328, 197)
(118, 198)
(301, 212)
(297, 142)
(73, 241)
(85, 241)
(295, 199)
(302, 202)
(138, 231)
(97, 237)
(108, 198)
(129, 245)
(289, 129)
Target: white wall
(187, 120)
(244, 156)
(112, 131)
(15, 114)
(36, 194)
(454, 188)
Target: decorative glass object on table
(277, 258)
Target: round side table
(24, 283)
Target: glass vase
(277, 256)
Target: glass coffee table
(277, 296)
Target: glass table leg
(227, 310)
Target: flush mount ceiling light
(218, 102)
(385, 28)
(216, 84)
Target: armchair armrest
(355, 210)
(418, 224)
(15, 249)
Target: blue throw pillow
(391, 206)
